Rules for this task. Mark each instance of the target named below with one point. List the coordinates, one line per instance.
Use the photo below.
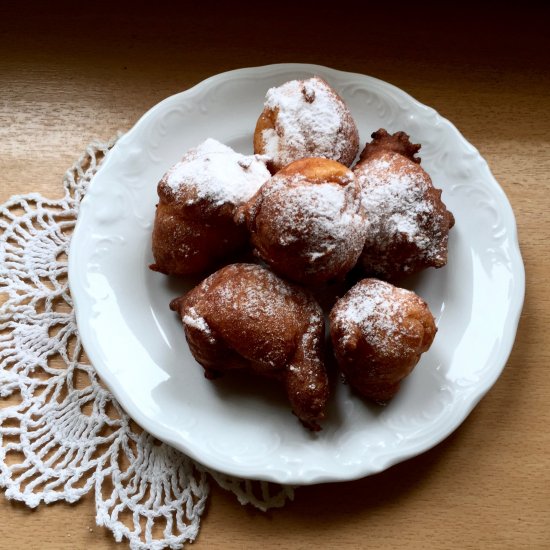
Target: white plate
(137, 344)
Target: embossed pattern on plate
(137, 345)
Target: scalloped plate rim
(499, 362)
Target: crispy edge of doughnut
(399, 142)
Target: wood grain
(68, 77)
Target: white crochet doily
(62, 434)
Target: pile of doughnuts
(312, 219)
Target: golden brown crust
(306, 221)
(318, 170)
(187, 243)
(398, 142)
(266, 121)
(378, 333)
(244, 317)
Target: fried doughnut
(305, 118)
(194, 226)
(306, 221)
(408, 224)
(378, 334)
(245, 317)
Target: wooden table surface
(68, 77)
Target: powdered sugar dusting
(209, 145)
(270, 301)
(193, 319)
(377, 308)
(394, 197)
(271, 143)
(310, 121)
(269, 298)
(257, 305)
(323, 217)
(311, 337)
(214, 172)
